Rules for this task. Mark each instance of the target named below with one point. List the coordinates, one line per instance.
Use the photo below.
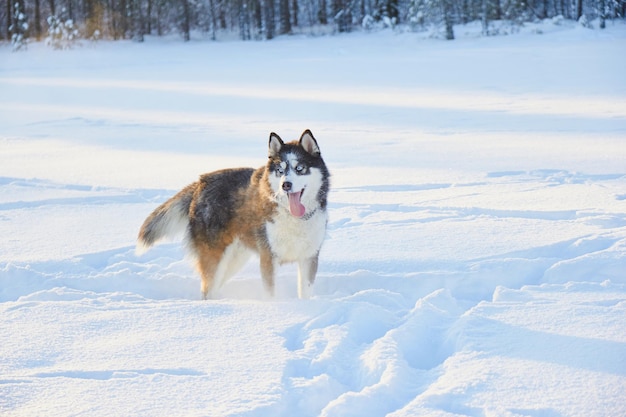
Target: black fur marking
(216, 202)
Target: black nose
(286, 186)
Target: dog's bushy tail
(169, 220)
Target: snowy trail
(475, 263)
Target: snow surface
(475, 263)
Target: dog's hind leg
(208, 260)
(233, 258)
(307, 269)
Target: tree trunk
(37, 26)
(8, 11)
(186, 21)
(392, 9)
(149, 18)
(270, 25)
(342, 15)
(137, 21)
(244, 21)
(122, 26)
(294, 9)
(602, 13)
(484, 18)
(448, 19)
(498, 9)
(213, 19)
(285, 21)
(323, 15)
(258, 19)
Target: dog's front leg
(267, 271)
(307, 268)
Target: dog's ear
(275, 144)
(308, 142)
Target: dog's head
(297, 174)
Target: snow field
(475, 263)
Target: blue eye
(300, 169)
(279, 170)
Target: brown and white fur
(277, 211)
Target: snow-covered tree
(342, 14)
(424, 13)
(606, 9)
(432, 13)
(265, 19)
(19, 29)
(417, 15)
(62, 34)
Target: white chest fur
(292, 239)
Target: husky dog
(277, 211)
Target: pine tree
(62, 34)
(18, 29)
(418, 14)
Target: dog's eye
(279, 170)
(300, 169)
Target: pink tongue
(295, 206)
